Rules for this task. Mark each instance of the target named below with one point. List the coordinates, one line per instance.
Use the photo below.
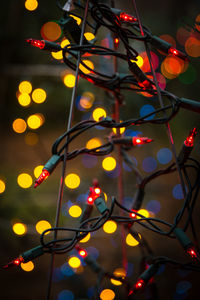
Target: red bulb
(139, 284)
(90, 200)
(177, 53)
(132, 215)
(189, 142)
(138, 141)
(97, 190)
(44, 175)
(116, 41)
(192, 252)
(141, 140)
(82, 253)
(127, 18)
(36, 43)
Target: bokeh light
(177, 192)
(143, 212)
(121, 273)
(107, 294)
(31, 5)
(110, 227)
(140, 61)
(131, 241)
(192, 47)
(51, 31)
(153, 206)
(78, 20)
(2, 186)
(72, 181)
(109, 163)
(197, 22)
(31, 138)
(38, 170)
(146, 66)
(182, 287)
(75, 211)
(149, 164)
(182, 35)
(89, 64)
(164, 156)
(24, 180)
(98, 113)
(87, 100)
(89, 36)
(147, 109)
(74, 262)
(121, 129)
(19, 125)
(58, 54)
(19, 228)
(93, 143)
(69, 80)
(39, 95)
(86, 239)
(65, 295)
(24, 99)
(35, 121)
(28, 267)
(25, 87)
(42, 225)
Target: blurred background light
(143, 212)
(42, 226)
(19, 125)
(164, 155)
(19, 228)
(131, 241)
(65, 295)
(39, 95)
(110, 227)
(89, 64)
(107, 294)
(28, 267)
(75, 211)
(35, 121)
(72, 181)
(31, 5)
(24, 180)
(51, 31)
(89, 36)
(86, 239)
(25, 87)
(38, 170)
(69, 80)
(98, 113)
(149, 164)
(2, 186)
(24, 99)
(74, 262)
(109, 163)
(31, 138)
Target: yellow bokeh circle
(35, 121)
(24, 180)
(98, 113)
(109, 163)
(107, 294)
(89, 64)
(72, 181)
(19, 228)
(24, 99)
(110, 227)
(42, 226)
(131, 241)
(25, 87)
(78, 20)
(2, 186)
(74, 262)
(121, 273)
(19, 125)
(144, 213)
(89, 36)
(39, 95)
(38, 170)
(31, 5)
(69, 80)
(28, 267)
(75, 211)
(85, 239)
(93, 143)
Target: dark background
(21, 62)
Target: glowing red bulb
(41, 178)
(97, 190)
(192, 252)
(127, 18)
(189, 142)
(116, 41)
(90, 200)
(177, 53)
(132, 215)
(82, 253)
(139, 284)
(16, 261)
(36, 43)
(138, 141)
